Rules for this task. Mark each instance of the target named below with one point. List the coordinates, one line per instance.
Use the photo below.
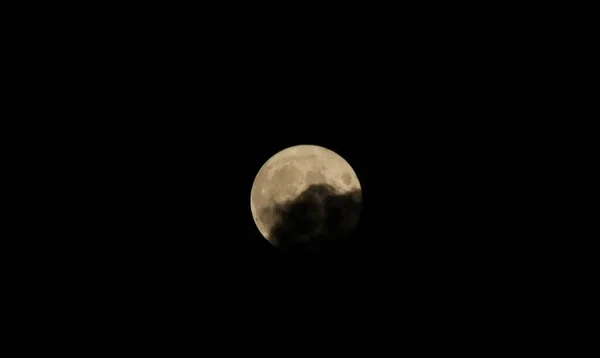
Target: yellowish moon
(300, 172)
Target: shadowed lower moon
(305, 197)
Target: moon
(305, 194)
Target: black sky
(180, 127)
(174, 114)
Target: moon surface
(306, 190)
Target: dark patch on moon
(316, 221)
(313, 177)
(346, 178)
(285, 176)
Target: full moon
(304, 196)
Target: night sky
(174, 118)
(177, 137)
